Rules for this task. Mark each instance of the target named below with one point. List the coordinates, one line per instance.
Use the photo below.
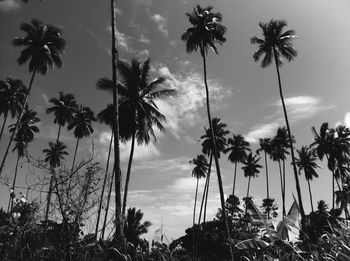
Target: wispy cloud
(144, 39)
(298, 108)
(161, 23)
(184, 109)
(9, 5)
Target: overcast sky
(243, 95)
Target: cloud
(298, 108)
(347, 119)
(123, 41)
(9, 5)
(161, 23)
(143, 54)
(184, 110)
(144, 39)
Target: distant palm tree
(265, 146)
(43, 46)
(199, 171)
(306, 162)
(133, 228)
(12, 95)
(205, 32)
(220, 133)
(251, 168)
(82, 124)
(275, 45)
(63, 108)
(237, 147)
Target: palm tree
(306, 162)
(43, 46)
(220, 133)
(63, 108)
(275, 45)
(237, 148)
(133, 228)
(26, 127)
(139, 108)
(251, 168)
(206, 30)
(200, 169)
(82, 124)
(12, 95)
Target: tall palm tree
(43, 46)
(237, 147)
(306, 162)
(251, 168)
(199, 171)
(275, 45)
(205, 32)
(220, 133)
(12, 95)
(82, 124)
(138, 105)
(63, 108)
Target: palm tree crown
(306, 162)
(26, 126)
(12, 95)
(237, 148)
(82, 122)
(55, 153)
(206, 30)
(275, 42)
(200, 166)
(251, 166)
(43, 46)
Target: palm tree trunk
(75, 154)
(59, 133)
(18, 121)
(216, 160)
(195, 203)
(103, 187)
(127, 179)
(312, 205)
(267, 177)
(13, 186)
(3, 125)
(297, 184)
(284, 185)
(107, 207)
(205, 190)
(48, 207)
(282, 192)
(118, 217)
(234, 180)
(248, 186)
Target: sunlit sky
(243, 95)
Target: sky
(243, 95)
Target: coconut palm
(199, 171)
(274, 45)
(251, 168)
(220, 134)
(133, 228)
(43, 46)
(26, 128)
(205, 32)
(139, 107)
(82, 124)
(306, 162)
(63, 108)
(12, 95)
(237, 147)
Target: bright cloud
(9, 5)
(161, 23)
(298, 108)
(184, 109)
(144, 39)
(347, 119)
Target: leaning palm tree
(205, 32)
(306, 162)
(237, 147)
(82, 124)
(12, 95)
(275, 45)
(251, 168)
(63, 108)
(199, 171)
(220, 133)
(138, 106)
(43, 46)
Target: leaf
(252, 243)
